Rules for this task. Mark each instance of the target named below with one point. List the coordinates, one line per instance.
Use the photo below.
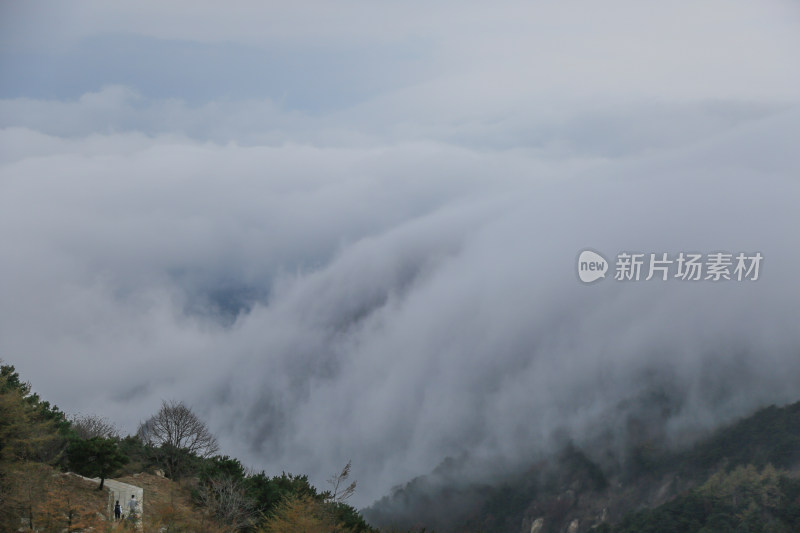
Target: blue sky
(44, 60)
(298, 77)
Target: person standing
(117, 511)
(132, 504)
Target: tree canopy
(95, 457)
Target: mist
(389, 277)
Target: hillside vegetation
(41, 449)
(742, 479)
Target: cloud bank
(389, 276)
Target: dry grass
(43, 499)
(168, 506)
(158, 490)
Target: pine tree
(95, 457)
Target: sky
(350, 231)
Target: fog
(389, 275)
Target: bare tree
(174, 434)
(227, 499)
(89, 426)
(176, 425)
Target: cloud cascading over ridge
(388, 275)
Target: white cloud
(410, 301)
(392, 281)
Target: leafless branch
(176, 425)
(89, 426)
(226, 498)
